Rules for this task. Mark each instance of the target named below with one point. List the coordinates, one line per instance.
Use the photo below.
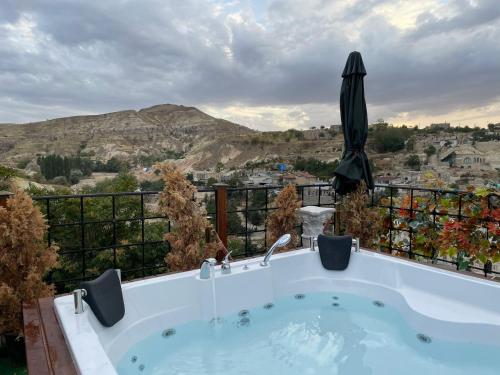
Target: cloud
(266, 63)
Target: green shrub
(23, 163)
(6, 173)
(149, 185)
(59, 180)
(413, 161)
(430, 150)
(74, 176)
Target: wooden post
(221, 211)
(4, 195)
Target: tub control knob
(226, 264)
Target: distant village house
(441, 126)
(464, 156)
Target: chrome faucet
(207, 267)
(281, 242)
(357, 244)
(312, 241)
(226, 265)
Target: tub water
(380, 316)
(316, 333)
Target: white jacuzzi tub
(454, 306)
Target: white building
(204, 176)
(259, 179)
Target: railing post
(410, 253)
(391, 207)
(4, 195)
(221, 211)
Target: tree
(116, 165)
(256, 218)
(410, 144)
(121, 183)
(188, 243)
(235, 181)
(284, 219)
(6, 174)
(155, 185)
(55, 165)
(234, 225)
(75, 175)
(25, 259)
(389, 139)
(430, 150)
(318, 168)
(237, 246)
(256, 204)
(104, 235)
(211, 181)
(413, 161)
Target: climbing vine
(461, 227)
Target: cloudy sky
(267, 64)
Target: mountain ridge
(126, 134)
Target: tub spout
(207, 267)
(282, 242)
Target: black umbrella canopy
(354, 165)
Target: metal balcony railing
(123, 230)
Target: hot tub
(382, 315)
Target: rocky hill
(202, 140)
(127, 134)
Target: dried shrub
(24, 260)
(187, 239)
(284, 219)
(358, 219)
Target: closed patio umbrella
(354, 165)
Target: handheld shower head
(281, 242)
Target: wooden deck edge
(46, 349)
